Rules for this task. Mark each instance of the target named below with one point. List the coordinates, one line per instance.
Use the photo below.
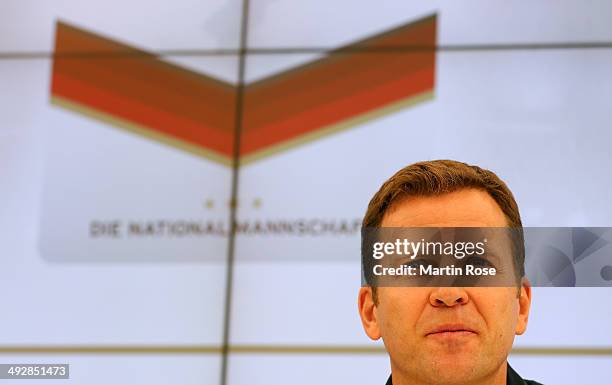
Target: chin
(457, 372)
(454, 368)
(454, 349)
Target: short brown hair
(439, 177)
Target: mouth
(451, 330)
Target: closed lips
(451, 328)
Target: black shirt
(512, 378)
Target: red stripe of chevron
(195, 111)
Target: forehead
(463, 208)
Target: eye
(420, 262)
(479, 262)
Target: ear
(367, 312)
(524, 306)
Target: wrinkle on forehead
(461, 208)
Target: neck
(498, 377)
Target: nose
(448, 297)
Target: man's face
(446, 335)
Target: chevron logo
(135, 90)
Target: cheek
(500, 311)
(398, 311)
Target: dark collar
(512, 378)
